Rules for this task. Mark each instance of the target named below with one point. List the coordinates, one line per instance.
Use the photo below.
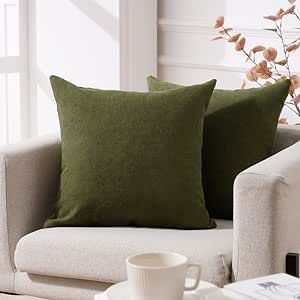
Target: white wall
(75, 39)
(94, 43)
(186, 54)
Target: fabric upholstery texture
(56, 288)
(25, 202)
(266, 215)
(17, 297)
(239, 131)
(286, 136)
(99, 254)
(29, 177)
(131, 158)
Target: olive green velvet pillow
(131, 159)
(239, 131)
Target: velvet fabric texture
(131, 159)
(239, 131)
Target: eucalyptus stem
(294, 111)
(268, 67)
(258, 83)
(284, 46)
(276, 69)
(247, 55)
(296, 15)
(243, 50)
(280, 35)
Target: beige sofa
(77, 263)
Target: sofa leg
(292, 264)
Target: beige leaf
(280, 13)
(282, 78)
(283, 121)
(272, 18)
(258, 48)
(225, 30)
(244, 84)
(219, 22)
(217, 38)
(296, 100)
(281, 62)
(240, 45)
(292, 47)
(262, 66)
(290, 10)
(295, 82)
(292, 1)
(252, 75)
(234, 38)
(265, 76)
(263, 71)
(270, 54)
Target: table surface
(205, 291)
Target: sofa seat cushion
(99, 253)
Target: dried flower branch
(271, 68)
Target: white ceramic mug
(159, 276)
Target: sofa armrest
(266, 215)
(29, 180)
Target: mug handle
(195, 285)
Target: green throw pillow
(239, 131)
(131, 159)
